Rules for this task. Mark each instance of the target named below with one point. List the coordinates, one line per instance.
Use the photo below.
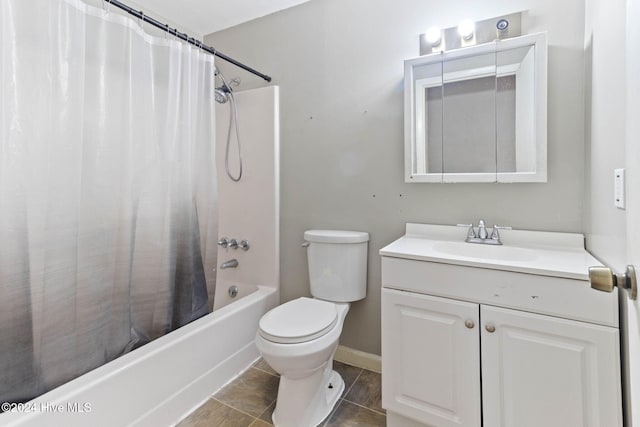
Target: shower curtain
(107, 189)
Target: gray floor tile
(214, 413)
(250, 393)
(367, 391)
(352, 415)
(348, 373)
(264, 366)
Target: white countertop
(533, 252)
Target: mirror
(478, 114)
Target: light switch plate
(619, 188)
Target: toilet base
(306, 402)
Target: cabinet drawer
(561, 297)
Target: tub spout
(232, 263)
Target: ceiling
(202, 17)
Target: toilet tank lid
(336, 236)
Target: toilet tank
(337, 264)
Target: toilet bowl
(299, 338)
(309, 387)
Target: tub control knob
(244, 245)
(224, 242)
(233, 244)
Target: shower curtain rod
(185, 37)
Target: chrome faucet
(482, 236)
(482, 230)
(232, 263)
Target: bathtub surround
(162, 382)
(251, 208)
(340, 68)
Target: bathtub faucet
(232, 263)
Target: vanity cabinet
(452, 363)
(464, 345)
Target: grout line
(235, 409)
(353, 383)
(256, 420)
(266, 372)
(365, 407)
(265, 410)
(332, 413)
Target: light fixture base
(500, 27)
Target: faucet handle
(495, 235)
(224, 242)
(244, 245)
(471, 233)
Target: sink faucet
(482, 236)
(482, 230)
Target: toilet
(298, 338)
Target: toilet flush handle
(305, 244)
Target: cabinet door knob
(490, 328)
(469, 324)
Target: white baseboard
(371, 362)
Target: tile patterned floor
(250, 399)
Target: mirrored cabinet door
(469, 125)
(427, 150)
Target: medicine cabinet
(478, 114)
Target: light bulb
(433, 36)
(466, 29)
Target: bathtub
(160, 383)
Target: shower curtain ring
(141, 21)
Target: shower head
(222, 94)
(224, 91)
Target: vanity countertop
(533, 252)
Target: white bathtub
(158, 384)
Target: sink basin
(486, 252)
(535, 252)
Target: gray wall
(605, 89)
(339, 64)
(605, 226)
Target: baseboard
(371, 362)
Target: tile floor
(249, 400)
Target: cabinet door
(430, 364)
(546, 371)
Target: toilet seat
(301, 320)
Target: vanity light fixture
(466, 29)
(433, 35)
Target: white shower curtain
(107, 189)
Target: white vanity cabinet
(473, 342)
